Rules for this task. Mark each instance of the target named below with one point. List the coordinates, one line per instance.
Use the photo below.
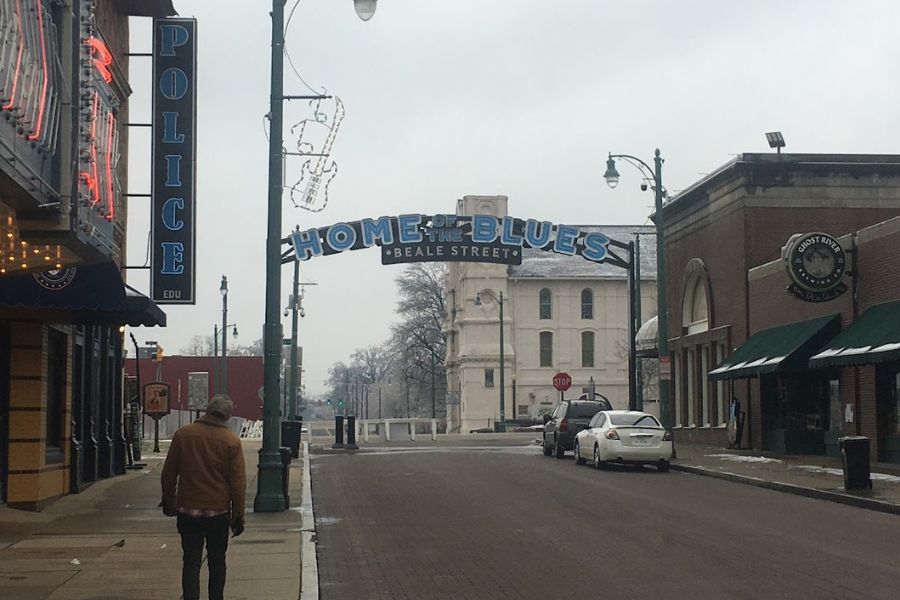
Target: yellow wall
(31, 480)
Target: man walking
(203, 483)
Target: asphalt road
(494, 522)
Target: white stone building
(561, 313)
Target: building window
(691, 397)
(678, 387)
(57, 355)
(523, 410)
(720, 386)
(546, 304)
(546, 349)
(587, 348)
(695, 306)
(704, 418)
(587, 304)
(488, 378)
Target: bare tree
(199, 345)
(255, 348)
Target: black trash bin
(855, 455)
(290, 436)
(285, 475)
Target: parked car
(624, 437)
(568, 418)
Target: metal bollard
(338, 432)
(351, 433)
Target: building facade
(726, 295)
(64, 98)
(561, 313)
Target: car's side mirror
(546, 419)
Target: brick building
(245, 378)
(733, 330)
(64, 90)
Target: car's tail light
(564, 425)
(667, 436)
(612, 434)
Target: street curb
(309, 564)
(867, 503)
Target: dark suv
(568, 418)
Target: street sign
(198, 390)
(665, 368)
(562, 381)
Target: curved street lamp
(269, 497)
(365, 9)
(655, 174)
(501, 426)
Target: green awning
(873, 337)
(779, 349)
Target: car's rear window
(584, 410)
(627, 420)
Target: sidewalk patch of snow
(742, 458)
(840, 473)
(74, 561)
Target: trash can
(855, 457)
(285, 475)
(290, 436)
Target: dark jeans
(194, 532)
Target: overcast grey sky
(517, 97)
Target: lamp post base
(269, 495)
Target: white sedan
(624, 437)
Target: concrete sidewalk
(113, 542)
(812, 476)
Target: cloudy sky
(517, 97)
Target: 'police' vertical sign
(173, 262)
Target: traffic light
(328, 402)
(157, 354)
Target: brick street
(478, 522)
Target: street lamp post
(499, 299)
(655, 173)
(269, 497)
(221, 380)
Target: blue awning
(94, 294)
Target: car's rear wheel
(598, 464)
(558, 450)
(579, 460)
(547, 449)
(662, 466)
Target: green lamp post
(269, 496)
(655, 174)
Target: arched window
(695, 307)
(587, 304)
(546, 304)
(546, 349)
(587, 348)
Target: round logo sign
(816, 263)
(562, 381)
(56, 279)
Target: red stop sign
(562, 381)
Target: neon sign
(30, 72)
(99, 139)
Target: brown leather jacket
(205, 469)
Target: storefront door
(887, 394)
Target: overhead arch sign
(451, 238)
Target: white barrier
(386, 429)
